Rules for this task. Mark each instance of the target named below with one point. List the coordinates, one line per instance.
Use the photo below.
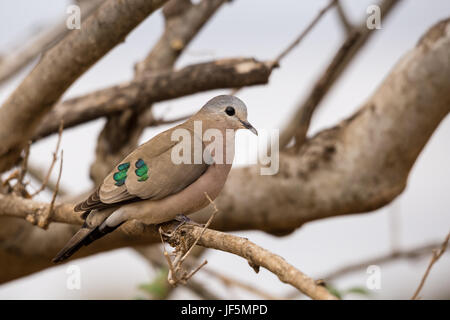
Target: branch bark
(61, 66)
(155, 87)
(256, 257)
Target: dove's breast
(187, 201)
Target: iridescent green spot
(142, 170)
(121, 175)
(123, 166)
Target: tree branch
(299, 123)
(61, 66)
(255, 255)
(437, 253)
(155, 87)
(12, 63)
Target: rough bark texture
(61, 66)
(164, 85)
(358, 166)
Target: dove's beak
(248, 126)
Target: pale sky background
(260, 29)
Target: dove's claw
(184, 219)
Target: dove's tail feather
(83, 237)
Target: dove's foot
(182, 220)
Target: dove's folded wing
(147, 173)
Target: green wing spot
(142, 170)
(121, 175)
(140, 163)
(123, 166)
(143, 178)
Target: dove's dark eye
(230, 111)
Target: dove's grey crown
(219, 103)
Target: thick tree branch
(61, 66)
(155, 87)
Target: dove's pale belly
(187, 201)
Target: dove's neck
(218, 139)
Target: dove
(167, 177)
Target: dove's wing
(147, 173)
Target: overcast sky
(260, 29)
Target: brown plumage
(150, 186)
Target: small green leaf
(358, 290)
(334, 291)
(159, 287)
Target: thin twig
(44, 220)
(410, 254)
(152, 122)
(55, 193)
(275, 63)
(437, 253)
(13, 62)
(348, 27)
(55, 157)
(299, 123)
(19, 188)
(38, 174)
(204, 228)
(177, 263)
(304, 33)
(196, 270)
(227, 281)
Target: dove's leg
(185, 219)
(182, 220)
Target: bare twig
(227, 281)
(52, 164)
(299, 124)
(255, 255)
(61, 66)
(204, 228)
(181, 253)
(348, 27)
(437, 253)
(44, 216)
(19, 188)
(410, 254)
(275, 63)
(12, 63)
(304, 33)
(153, 256)
(38, 174)
(158, 122)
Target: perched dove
(153, 185)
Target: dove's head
(229, 111)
